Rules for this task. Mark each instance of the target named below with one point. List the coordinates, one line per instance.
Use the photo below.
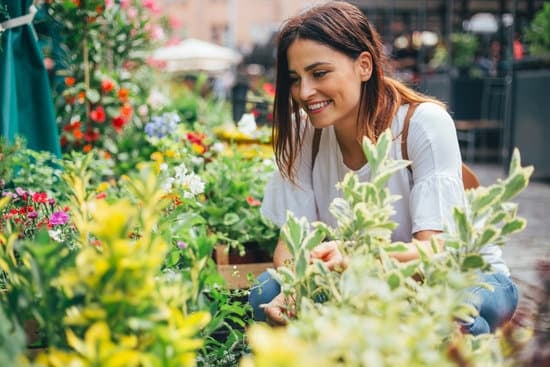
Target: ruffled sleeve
(437, 169)
(280, 195)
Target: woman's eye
(293, 79)
(319, 74)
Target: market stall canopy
(25, 96)
(196, 55)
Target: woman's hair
(344, 28)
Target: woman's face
(326, 83)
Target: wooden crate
(236, 274)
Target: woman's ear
(364, 63)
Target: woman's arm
(412, 251)
(281, 255)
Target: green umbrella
(26, 102)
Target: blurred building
(239, 24)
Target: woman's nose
(307, 90)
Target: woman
(330, 67)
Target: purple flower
(20, 191)
(32, 214)
(182, 245)
(51, 201)
(58, 218)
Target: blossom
(253, 202)
(40, 197)
(107, 85)
(182, 244)
(59, 218)
(98, 115)
(118, 123)
(69, 81)
(55, 234)
(161, 126)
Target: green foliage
(378, 311)
(233, 187)
(538, 32)
(12, 342)
(30, 169)
(463, 49)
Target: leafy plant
(463, 49)
(233, 190)
(538, 32)
(379, 311)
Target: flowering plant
(101, 71)
(25, 212)
(233, 193)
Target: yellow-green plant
(128, 313)
(380, 312)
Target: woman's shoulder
(430, 115)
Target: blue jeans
(263, 291)
(495, 307)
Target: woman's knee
(263, 291)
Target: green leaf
(463, 227)
(513, 226)
(396, 247)
(394, 280)
(230, 219)
(489, 235)
(485, 198)
(92, 95)
(301, 266)
(472, 261)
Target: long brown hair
(343, 27)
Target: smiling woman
(331, 78)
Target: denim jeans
(495, 307)
(263, 291)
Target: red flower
(126, 111)
(69, 81)
(253, 202)
(77, 134)
(118, 123)
(40, 197)
(101, 195)
(269, 89)
(123, 94)
(98, 115)
(195, 138)
(91, 135)
(107, 85)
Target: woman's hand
(279, 310)
(330, 254)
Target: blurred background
(485, 58)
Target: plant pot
(235, 268)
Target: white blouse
(427, 198)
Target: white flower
(197, 161)
(194, 184)
(218, 147)
(163, 167)
(180, 172)
(157, 100)
(167, 185)
(55, 234)
(247, 124)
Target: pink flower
(59, 218)
(98, 115)
(253, 202)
